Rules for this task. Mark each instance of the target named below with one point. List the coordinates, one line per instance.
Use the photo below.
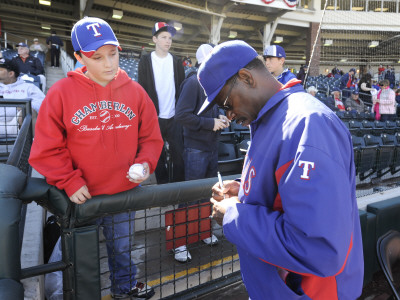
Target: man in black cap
(30, 65)
(160, 73)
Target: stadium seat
(387, 215)
(244, 135)
(228, 162)
(242, 148)
(390, 127)
(355, 127)
(368, 227)
(385, 153)
(364, 157)
(367, 127)
(227, 137)
(226, 151)
(379, 127)
(370, 116)
(390, 139)
(388, 252)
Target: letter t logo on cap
(93, 26)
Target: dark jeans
(388, 117)
(171, 132)
(198, 165)
(55, 55)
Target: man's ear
(246, 76)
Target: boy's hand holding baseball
(138, 172)
(81, 195)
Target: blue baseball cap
(275, 51)
(355, 92)
(162, 26)
(224, 61)
(89, 34)
(22, 45)
(353, 70)
(335, 89)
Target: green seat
(368, 228)
(387, 215)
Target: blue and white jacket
(285, 76)
(297, 228)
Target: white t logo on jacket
(306, 168)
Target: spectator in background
(27, 64)
(365, 87)
(36, 46)
(390, 76)
(312, 90)
(200, 136)
(12, 87)
(54, 43)
(160, 73)
(337, 97)
(346, 81)
(386, 98)
(381, 69)
(275, 62)
(354, 103)
(302, 73)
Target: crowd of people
(364, 94)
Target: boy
(274, 61)
(93, 125)
(160, 73)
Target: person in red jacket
(92, 126)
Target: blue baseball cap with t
(89, 34)
(224, 61)
(275, 51)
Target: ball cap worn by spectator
(10, 65)
(335, 89)
(202, 52)
(224, 61)
(353, 70)
(22, 45)
(355, 92)
(162, 26)
(275, 51)
(89, 34)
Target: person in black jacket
(30, 65)
(54, 43)
(200, 135)
(160, 73)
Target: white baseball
(137, 171)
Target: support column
(313, 62)
(269, 30)
(216, 24)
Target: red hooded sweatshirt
(87, 134)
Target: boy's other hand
(145, 176)
(81, 195)
(220, 207)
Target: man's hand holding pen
(223, 196)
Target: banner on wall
(282, 4)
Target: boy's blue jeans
(118, 231)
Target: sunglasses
(225, 106)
